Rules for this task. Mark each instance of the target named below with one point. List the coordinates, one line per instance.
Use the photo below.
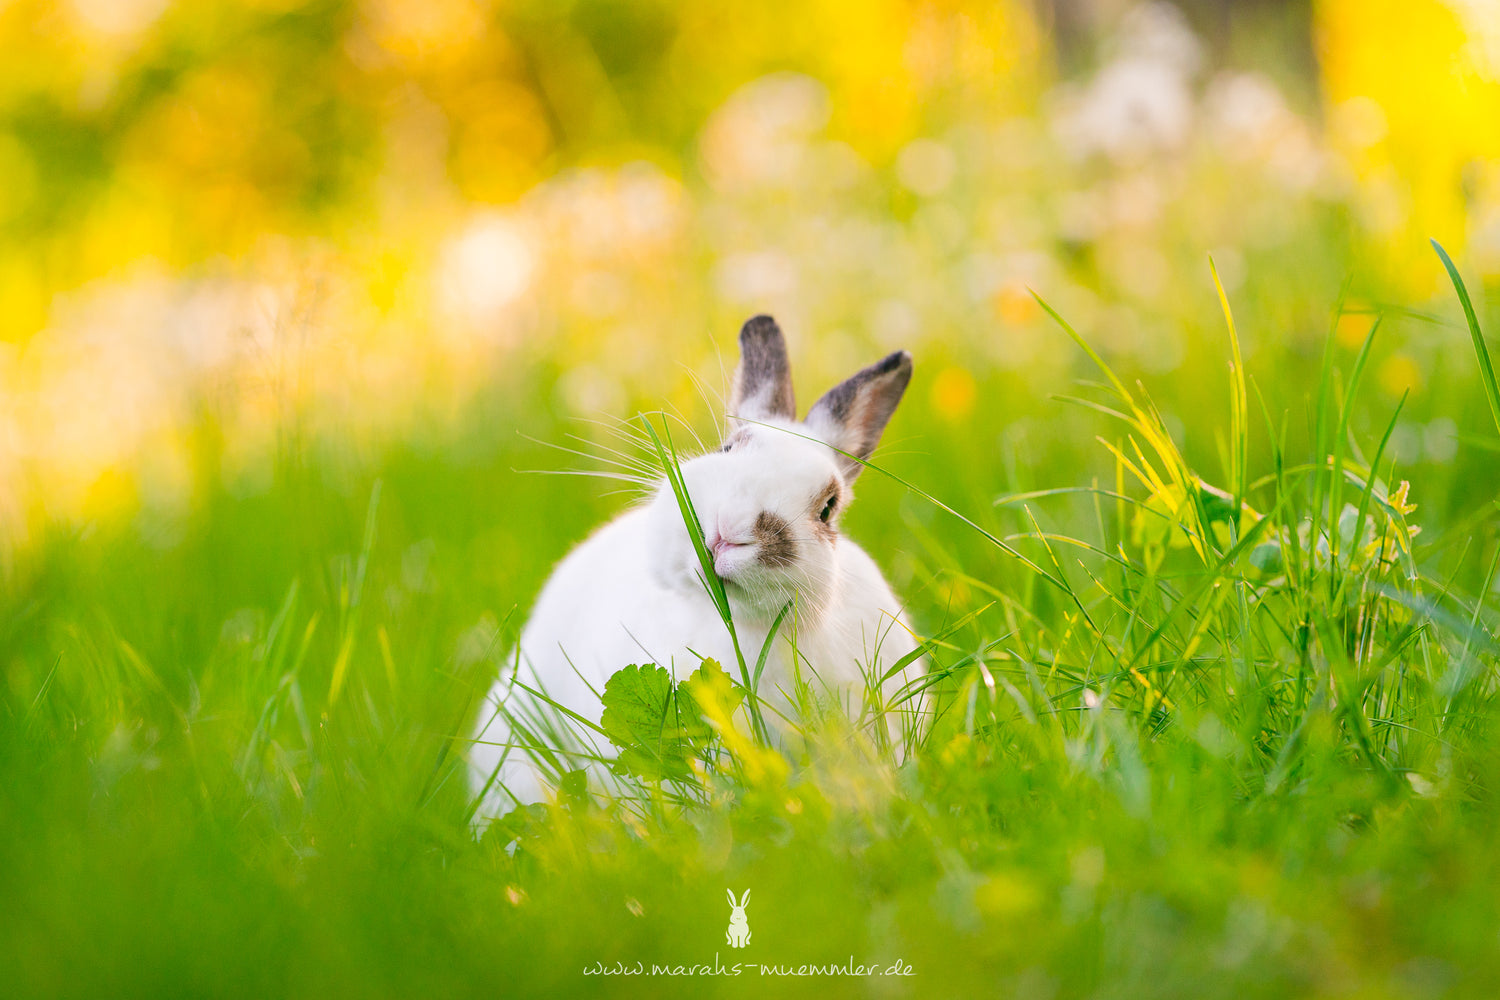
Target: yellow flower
(1398, 500)
(953, 394)
(1399, 373)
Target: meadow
(1193, 495)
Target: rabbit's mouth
(730, 556)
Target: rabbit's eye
(828, 508)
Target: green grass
(1209, 720)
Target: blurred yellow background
(361, 212)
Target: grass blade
(1486, 369)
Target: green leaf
(659, 726)
(1266, 558)
(524, 822)
(640, 718)
(710, 684)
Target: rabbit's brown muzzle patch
(773, 535)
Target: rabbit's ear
(746, 900)
(852, 415)
(763, 381)
(730, 894)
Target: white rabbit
(738, 934)
(769, 503)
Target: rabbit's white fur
(632, 593)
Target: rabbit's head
(771, 498)
(737, 914)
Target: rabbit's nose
(720, 541)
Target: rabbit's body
(632, 592)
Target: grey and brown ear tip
(896, 359)
(897, 363)
(763, 378)
(760, 328)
